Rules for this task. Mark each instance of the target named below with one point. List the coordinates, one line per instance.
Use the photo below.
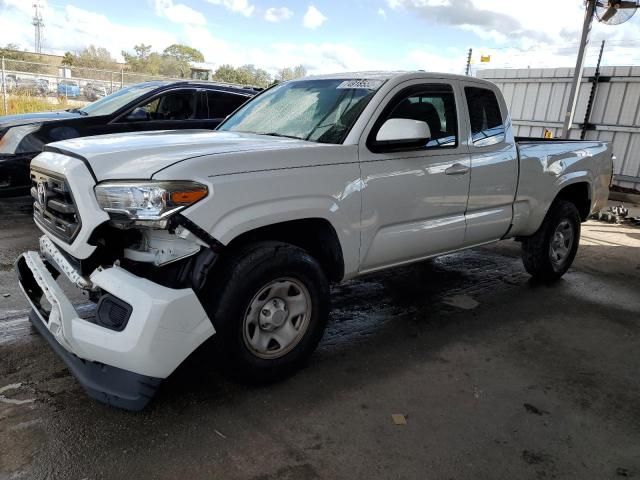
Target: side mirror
(403, 132)
(138, 114)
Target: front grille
(54, 208)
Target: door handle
(456, 169)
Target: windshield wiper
(276, 134)
(77, 110)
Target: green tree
(143, 61)
(183, 53)
(94, 57)
(255, 76)
(244, 75)
(12, 52)
(174, 61)
(289, 73)
(284, 74)
(142, 51)
(177, 58)
(299, 71)
(226, 73)
(68, 58)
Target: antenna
(468, 67)
(38, 25)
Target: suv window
(434, 104)
(221, 104)
(487, 127)
(177, 105)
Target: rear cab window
(218, 105)
(487, 125)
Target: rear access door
(494, 165)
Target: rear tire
(269, 305)
(549, 252)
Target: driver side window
(151, 108)
(434, 105)
(174, 105)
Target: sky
(330, 35)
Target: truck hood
(142, 154)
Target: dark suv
(154, 105)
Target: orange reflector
(189, 197)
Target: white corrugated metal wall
(538, 98)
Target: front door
(414, 200)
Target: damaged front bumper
(119, 366)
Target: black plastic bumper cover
(113, 386)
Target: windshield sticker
(364, 83)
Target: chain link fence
(30, 86)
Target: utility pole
(577, 73)
(38, 25)
(468, 69)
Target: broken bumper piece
(113, 386)
(120, 367)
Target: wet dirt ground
(496, 376)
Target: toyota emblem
(42, 194)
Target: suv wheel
(270, 310)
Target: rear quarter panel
(548, 167)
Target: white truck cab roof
(398, 75)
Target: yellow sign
(485, 58)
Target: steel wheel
(561, 242)
(550, 251)
(277, 318)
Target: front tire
(548, 253)
(269, 305)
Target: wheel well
(315, 235)
(578, 194)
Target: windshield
(117, 100)
(316, 110)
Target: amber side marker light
(188, 197)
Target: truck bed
(538, 139)
(545, 164)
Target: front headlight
(148, 201)
(14, 137)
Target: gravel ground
(496, 377)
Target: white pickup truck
(234, 235)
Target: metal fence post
(122, 78)
(4, 90)
(111, 87)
